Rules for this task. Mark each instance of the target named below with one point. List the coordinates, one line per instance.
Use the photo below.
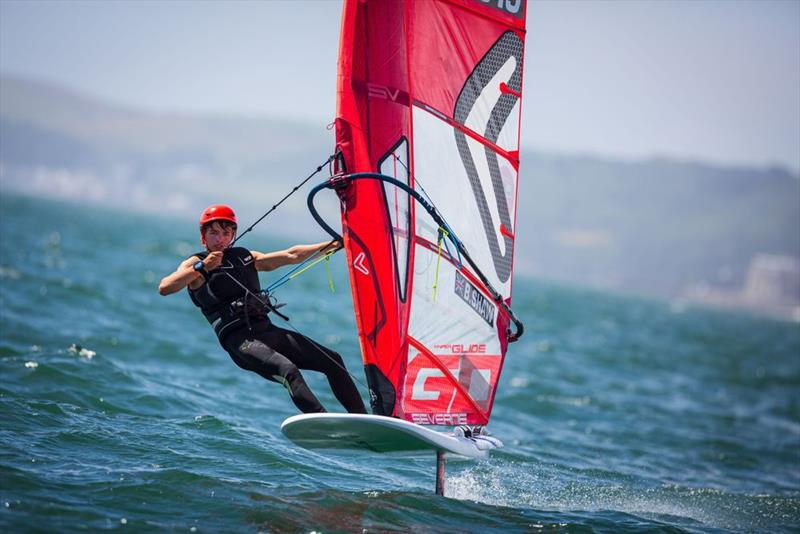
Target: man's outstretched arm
(270, 261)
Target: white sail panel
(440, 170)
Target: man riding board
(223, 283)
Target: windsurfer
(223, 283)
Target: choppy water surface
(119, 410)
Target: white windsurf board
(379, 433)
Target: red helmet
(217, 212)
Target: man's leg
(253, 355)
(308, 354)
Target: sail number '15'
(509, 6)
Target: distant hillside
(655, 226)
(119, 131)
(59, 143)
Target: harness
(232, 297)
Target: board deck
(378, 433)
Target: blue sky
(717, 81)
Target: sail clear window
(398, 205)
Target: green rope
(328, 270)
(310, 265)
(442, 235)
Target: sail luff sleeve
(371, 133)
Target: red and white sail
(429, 93)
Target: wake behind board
(378, 433)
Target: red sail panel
(429, 94)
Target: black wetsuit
(255, 344)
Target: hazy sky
(717, 81)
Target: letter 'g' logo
(505, 56)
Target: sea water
(118, 409)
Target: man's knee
(258, 350)
(335, 362)
(243, 361)
(290, 371)
(289, 375)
